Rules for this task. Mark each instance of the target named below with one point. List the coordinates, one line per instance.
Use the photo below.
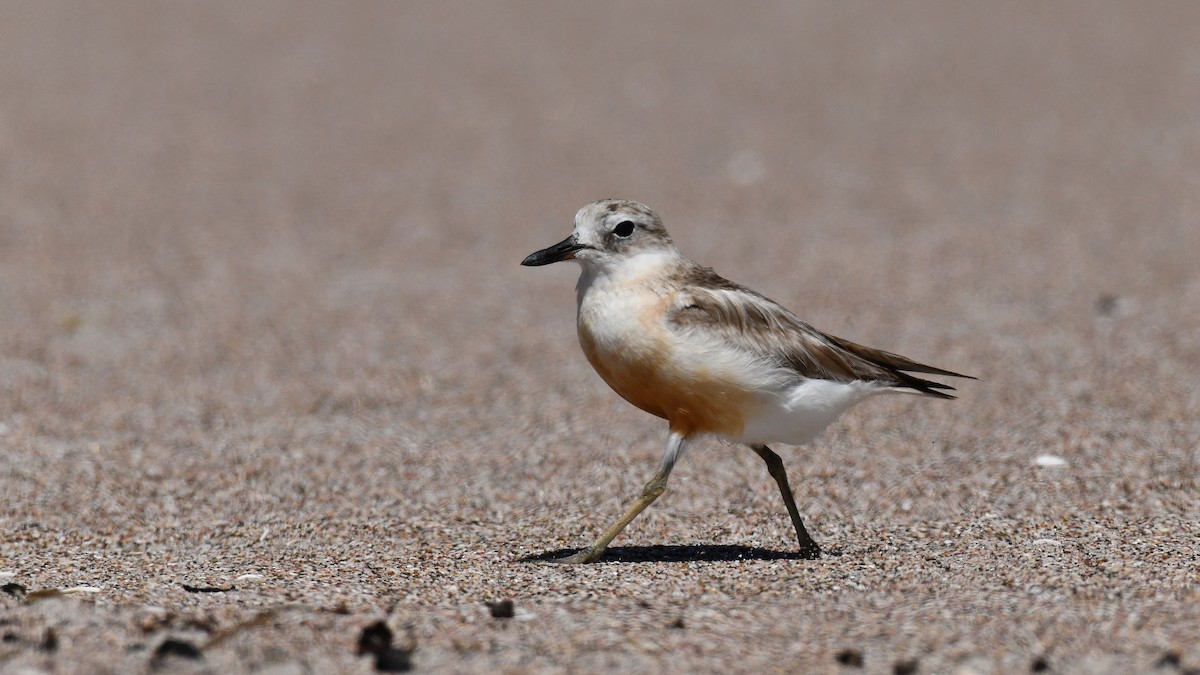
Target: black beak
(563, 250)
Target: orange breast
(691, 398)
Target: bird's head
(609, 231)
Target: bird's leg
(656, 486)
(808, 547)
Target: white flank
(799, 413)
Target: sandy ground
(264, 334)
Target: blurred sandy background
(262, 328)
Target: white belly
(797, 413)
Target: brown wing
(757, 324)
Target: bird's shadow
(679, 553)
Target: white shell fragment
(1050, 460)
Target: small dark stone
(850, 657)
(172, 647)
(208, 589)
(15, 590)
(49, 641)
(677, 624)
(1039, 665)
(1169, 660)
(10, 637)
(905, 667)
(502, 610)
(392, 660)
(375, 639)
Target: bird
(710, 356)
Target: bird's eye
(623, 228)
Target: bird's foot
(587, 555)
(809, 550)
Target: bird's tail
(901, 367)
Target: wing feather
(754, 323)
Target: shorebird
(708, 355)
